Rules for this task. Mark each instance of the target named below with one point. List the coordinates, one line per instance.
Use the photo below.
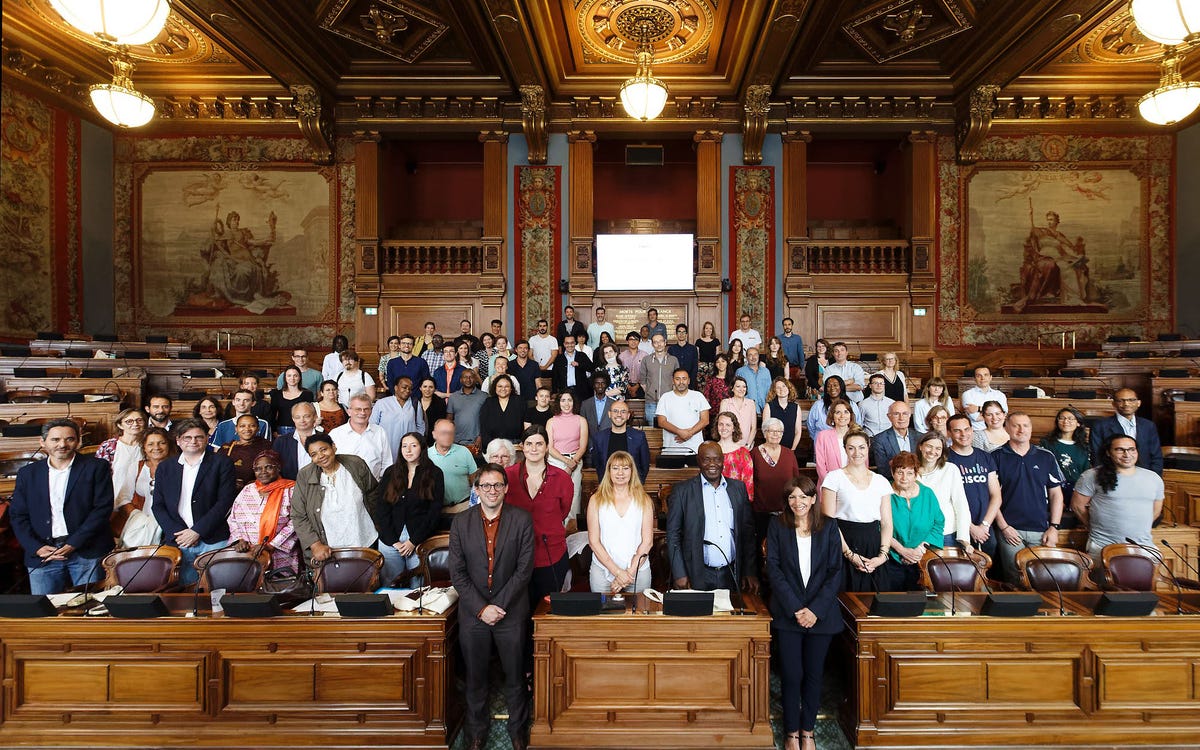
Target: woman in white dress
(861, 501)
(620, 520)
(946, 482)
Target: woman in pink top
(568, 437)
(830, 454)
(744, 409)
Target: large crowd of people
(463, 433)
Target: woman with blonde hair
(933, 394)
(123, 453)
(894, 385)
(620, 521)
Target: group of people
(461, 435)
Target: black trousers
(801, 669)
(544, 580)
(476, 641)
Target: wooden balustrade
(859, 256)
(431, 256)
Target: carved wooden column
(797, 280)
(581, 278)
(708, 227)
(921, 168)
(495, 201)
(369, 330)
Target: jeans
(187, 571)
(56, 576)
(651, 411)
(1008, 553)
(395, 563)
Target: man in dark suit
(595, 408)
(898, 438)
(571, 370)
(1127, 422)
(192, 497)
(569, 326)
(620, 437)
(60, 510)
(491, 561)
(710, 529)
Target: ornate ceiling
(472, 65)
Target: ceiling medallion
(179, 43)
(398, 29)
(893, 28)
(1118, 40)
(677, 31)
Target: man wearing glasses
(310, 379)
(193, 496)
(1117, 499)
(1126, 422)
(491, 561)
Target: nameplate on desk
(898, 604)
(23, 606)
(688, 603)
(1011, 604)
(1126, 603)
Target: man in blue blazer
(633, 439)
(60, 510)
(192, 497)
(710, 529)
(894, 440)
(1127, 422)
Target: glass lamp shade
(116, 21)
(122, 106)
(1167, 22)
(643, 97)
(1167, 105)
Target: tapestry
(752, 249)
(238, 234)
(1049, 233)
(538, 239)
(39, 216)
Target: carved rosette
(533, 121)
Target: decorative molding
(533, 122)
(401, 30)
(315, 124)
(1116, 40)
(869, 108)
(974, 126)
(39, 72)
(493, 136)
(894, 28)
(678, 31)
(754, 122)
(1095, 107)
(225, 108)
(428, 107)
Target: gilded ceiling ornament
(678, 31)
(383, 24)
(1117, 40)
(908, 22)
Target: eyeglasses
(192, 438)
(1126, 400)
(490, 486)
(264, 467)
(1124, 450)
(133, 420)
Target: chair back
(142, 570)
(236, 572)
(349, 570)
(954, 571)
(1043, 567)
(434, 554)
(1128, 566)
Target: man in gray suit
(491, 560)
(595, 409)
(710, 529)
(900, 437)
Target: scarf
(270, 515)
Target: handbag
(288, 584)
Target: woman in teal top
(917, 523)
(1068, 441)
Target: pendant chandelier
(1174, 99)
(116, 22)
(644, 96)
(119, 102)
(1175, 24)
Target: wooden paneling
(128, 390)
(858, 325)
(100, 417)
(1187, 423)
(1182, 503)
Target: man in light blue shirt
(757, 377)
(398, 415)
(793, 345)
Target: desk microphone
(949, 572)
(1062, 610)
(1158, 560)
(1182, 557)
(250, 562)
(733, 567)
(553, 572)
(136, 573)
(636, 569)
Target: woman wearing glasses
(123, 453)
(262, 514)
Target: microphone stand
(1158, 560)
(982, 573)
(637, 568)
(1062, 610)
(733, 567)
(145, 562)
(950, 573)
(553, 572)
(249, 563)
(1182, 557)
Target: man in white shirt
(973, 399)
(598, 326)
(682, 414)
(331, 366)
(60, 510)
(874, 407)
(748, 335)
(398, 415)
(543, 346)
(850, 372)
(158, 412)
(360, 438)
(291, 450)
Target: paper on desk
(721, 600)
(320, 603)
(433, 599)
(75, 599)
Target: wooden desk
(162, 375)
(108, 346)
(1157, 348)
(1042, 411)
(1041, 681)
(129, 389)
(1053, 386)
(1187, 423)
(624, 680)
(1185, 540)
(1161, 410)
(1182, 502)
(226, 683)
(101, 417)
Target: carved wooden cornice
(226, 108)
(533, 122)
(754, 122)
(870, 108)
(44, 75)
(977, 120)
(315, 123)
(1083, 107)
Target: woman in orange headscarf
(262, 512)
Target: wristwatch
(1056, 526)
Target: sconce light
(726, 285)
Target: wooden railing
(858, 256)
(431, 256)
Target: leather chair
(954, 571)
(434, 554)
(142, 570)
(349, 570)
(1043, 567)
(236, 572)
